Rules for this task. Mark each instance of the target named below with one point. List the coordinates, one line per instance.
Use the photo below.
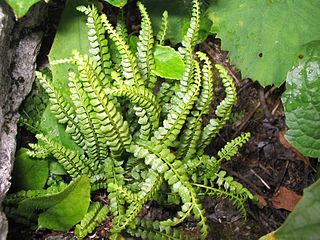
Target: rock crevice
(19, 46)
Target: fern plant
(138, 138)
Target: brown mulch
(267, 165)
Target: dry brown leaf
(284, 198)
(287, 145)
(261, 200)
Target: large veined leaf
(71, 35)
(21, 7)
(265, 38)
(117, 3)
(302, 103)
(61, 210)
(304, 221)
(28, 173)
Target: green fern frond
(113, 126)
(164, 162)
(121, 28)
(206, 94)
(152, 229)
(33, 107)
(114, 174)
(95, 143)
(16, 198)
(128, 60)
(161, 36)
(232, 147)
(190, 138)
(63, 111)
(164, 95)
(73, 162)
(62, 61)
(98, 42)
(227, 187)
(148, 189)
(223, 110)
(139, 96)
(145, 127)
(177, 116)
(95, 214)
(191, 37)
(125, 193)
(144, 54)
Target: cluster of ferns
(142, 138)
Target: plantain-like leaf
(61, 210)
(71, 35)
(28, 173)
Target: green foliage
(134, 140)
(71, 35)
(62, 206)
(29, 174)
(304, 221)
(21, 7)
(96, 213)
(302, 103)
(179, 18)
(265, 38)
(117, 3)
(34, 106)
(168, 63)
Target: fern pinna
(137, 135)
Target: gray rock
(19, 45)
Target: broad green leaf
(304, 220)
(302, 103)
(168, 63)
(28, 173)
(56, 168)
(265, 38)
(21, 7)
(70, 210)
(179, 12)
(49, 126)
(61, 210)
(117, 3)
(71, 35)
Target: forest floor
(267, 165)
